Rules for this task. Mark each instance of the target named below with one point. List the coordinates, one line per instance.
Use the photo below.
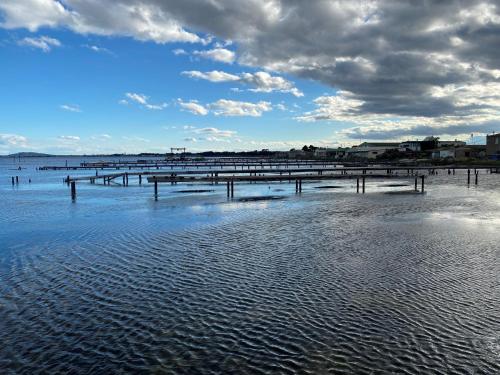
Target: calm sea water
(326, 282)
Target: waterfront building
(370, 150)
(326, 152)
(493, 146)
(414, 146)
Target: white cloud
(70, 107)
(217, 54)
(143, 101)
(142, 21)
(210, 134)
(213, 76)
(138, 98)
(216, 132)
(33, 14)
(43, 42)
(179, 51)
(194, 107)
(72, 138)
(264, 82)
(13, 140)
(101, 137)
(224, 107)
(261, 81)
(97, 48)
(340, 107)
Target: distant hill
(27, 154)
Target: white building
(370, 150)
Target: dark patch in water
(194, 191)
(404, 192)
(394, 185)
(329, 187)
(260, 198)
(278, 189)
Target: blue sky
(70, 98)
(146, 75)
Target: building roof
(379, 144)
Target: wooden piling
(13, 181)
(17, 179)
(232, 189)
(156, 190)
(363, 184)
(468, 176)
(476, 180)
(73, 190)
(416, 183)
(228, 189)
(140, 179)
(423, 184)
(357, 185)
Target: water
(328, 281)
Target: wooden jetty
(230, 176)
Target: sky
(128, 76)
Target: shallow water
(326, 281)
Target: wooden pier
(263, 175)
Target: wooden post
(126, 179)
(300, 185)
(140, 179)
(468, 176)
(423, 179)
(363, 184)
(357, 185)
(156, 190)
(477, 173)
(73, 190)
(228, 189)
(416, 180)
(232, 188)
(17, 179)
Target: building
(414, 146)
(443, 153)
(465, 152)
(370, 150)
(333, 153)
(296, 154)
(454, 143)
(493, 146)
(470, 151)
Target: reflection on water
(326, 281)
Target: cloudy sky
(146, 75)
